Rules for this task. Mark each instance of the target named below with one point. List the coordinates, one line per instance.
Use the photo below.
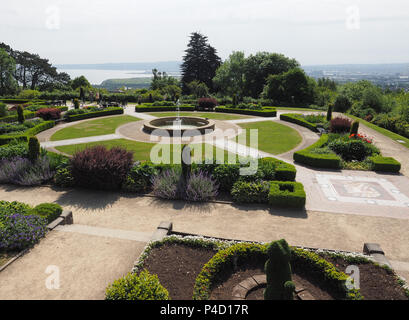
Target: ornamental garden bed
(342, 148)
(203, 268)
(22, 226)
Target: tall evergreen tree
(200, 62)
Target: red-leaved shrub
(340, 125)
(49, 113)
(99, 168)
(206, 103)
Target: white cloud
(312, 31)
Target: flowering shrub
(20, 231)
(353, 149)
(100, 168)
(200, 187)
(21, 171)
(361, 137)
(207, 103)
(49, 113)
(166, 185)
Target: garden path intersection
(344, 209)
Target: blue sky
(313, 31)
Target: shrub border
(385, 164)
(265, 112)
(95, 114)
(5, 139)
(328, 161)
(293, 199)
(293, 118)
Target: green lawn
(389, 134)
(273, 137)
(92, 128)
(210, 115)
(142, 150)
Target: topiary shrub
(137, 287)
(33, 148)
(287, 194)
(20, 114)
(186, 161)
(48, 211)
(278, 272)
(329, 113)
(100, 168)
(76, 103)
(385, 164)
(354, 128)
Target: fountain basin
(183, 126)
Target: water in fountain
(177, 124)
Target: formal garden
(67, 136)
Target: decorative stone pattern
(361, 190)
(241, 291)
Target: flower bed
(22, 226)
(199, 268)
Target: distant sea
(98, 76)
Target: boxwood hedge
(88, 115)
(385, 164)
(265, 112)
(286, 194)
(5, 139)
(295, 118)
(152, 108)
(329, 161)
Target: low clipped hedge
(153, 108)
(48, 211)
(224, 261)
(295, 118)
(385, 164)
(328, 161)
(265, 112)
(137, 287)
(287, 194)
(95, 114)
(13, 118)
(5, 139)
(283, 170)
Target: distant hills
(168, 66)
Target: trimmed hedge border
(266, 112)
(148, 108)
(287, 194)
(237, 254)
(5, 139)
(283, 170)
(385, 164)
(294, 118)
(13, 118)
(95, 114)
(328, 161)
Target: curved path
(111, 228)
